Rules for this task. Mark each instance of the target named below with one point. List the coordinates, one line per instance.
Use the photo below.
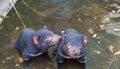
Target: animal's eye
(48, 38)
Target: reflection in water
(61, 14)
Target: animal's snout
(56, 38)
(75, 53)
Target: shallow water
(60, 15)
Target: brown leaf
(21, 60)
(91, 30)
(110, 48)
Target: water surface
(60, 15)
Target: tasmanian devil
(31, 43)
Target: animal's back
(24, 38)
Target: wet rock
(114, 15)
(110, 28)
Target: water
(60, 15)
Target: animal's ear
(85, 38)
(62, 32)
(35, 39)
(63, 35)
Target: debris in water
(102, 27)
(9, 57)
(97, 52)
(91, 31)
(116, 29)
(3, 61)
(99, 42)
(110, 62)
(108, 19)
(113, 11)
(95, 35)
(17, 65)
(116, 53)
(16, 28)
(111, 48)
(118, 11)
(47, 68)
(95, 17)
(79, 19)
(21, 60)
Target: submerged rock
(113, 28)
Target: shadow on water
(60, 15)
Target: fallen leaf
(102, 27)
(113, 11)
(9, 57)
(116, 29)
(95, 17)
(116, 53)
(110, 48)
(95, 35)
(47, 68)
(17, 65)
(99, 42)
(79, 19)
(110, 62)
(16, 28)
(97, 52)
(107, 19)
(21, 60)
(118, 11)
(91, 30)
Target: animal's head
(45, 37)
(73, 43)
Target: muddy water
(60, 15)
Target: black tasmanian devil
(72, 46)
(32, 43)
